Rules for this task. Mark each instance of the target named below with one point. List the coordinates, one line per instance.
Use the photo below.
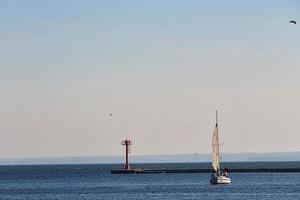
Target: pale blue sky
(161, 68)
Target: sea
(94, 181)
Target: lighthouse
(127, 143)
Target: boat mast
(218, 143)
(216, 118)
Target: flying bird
(293, 22)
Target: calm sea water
(96, 182)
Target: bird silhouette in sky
(293, 22)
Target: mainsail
(215, 148)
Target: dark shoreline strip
(154, 171)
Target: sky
(77, 77)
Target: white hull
(220, 180)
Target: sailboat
(218, 176)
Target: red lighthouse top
(126, 142)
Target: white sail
(215, 149)
(218, 176)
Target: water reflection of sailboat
(218, 176)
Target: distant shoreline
(174, 158)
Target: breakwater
(236, 170)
